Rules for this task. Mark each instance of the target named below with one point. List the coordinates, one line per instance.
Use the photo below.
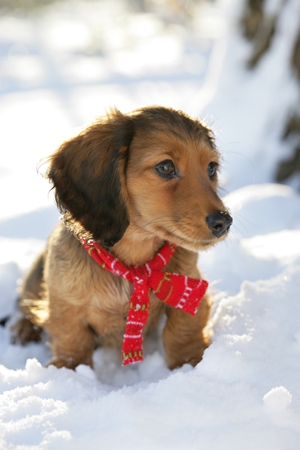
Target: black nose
(219, 223)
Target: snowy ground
(57, 71)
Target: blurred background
(235, 63)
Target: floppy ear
(88, 175)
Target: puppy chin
(185, 242)
(209, 243)
(197, 246)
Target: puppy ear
(88, 175)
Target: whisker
(236, 219)
(249, 221)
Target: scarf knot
(139, 273)
(176, 290)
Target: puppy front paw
(69, 363)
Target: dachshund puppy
(130, 182)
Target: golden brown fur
(107, 184)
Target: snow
(278, 399)
(245, 392)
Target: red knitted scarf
(176, 290)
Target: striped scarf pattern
(179, 291)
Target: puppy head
(171, 179)
(88, 176)
(155, 168)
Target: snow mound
(248, 376)
(278, 399)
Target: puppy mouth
(184, 241)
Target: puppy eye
(212, 170)
(166, 169)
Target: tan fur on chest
(101, 297)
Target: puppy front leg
(72, 341)
(184, 337)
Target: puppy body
(83, 299)
(112, 183)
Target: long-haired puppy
(131, 182)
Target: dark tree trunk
(260, 29)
